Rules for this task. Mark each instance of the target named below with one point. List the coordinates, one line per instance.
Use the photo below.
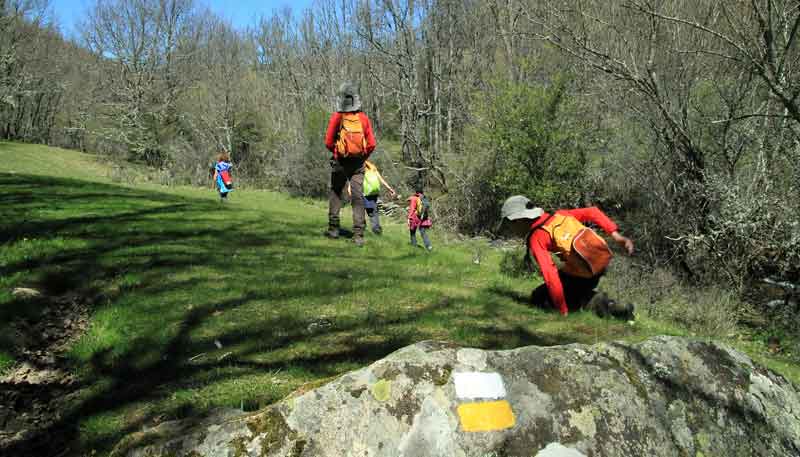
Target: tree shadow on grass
(136, 376)
(116, 247)
(163, 273)
(508, 330)
(513, 295)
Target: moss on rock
(274, 430)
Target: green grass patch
(6, 361)
(36, 159)
(198, 305)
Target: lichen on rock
(663, 397)
(382, 390)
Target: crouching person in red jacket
(584, 255)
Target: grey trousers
(343, 170)
(424, 232)
(371, 206)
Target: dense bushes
(525, 139)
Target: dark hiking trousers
(343, 170)
(577, 292)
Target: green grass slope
(196, 305)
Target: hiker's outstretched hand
(623, 241)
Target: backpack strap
(528, 260)
(341, 119)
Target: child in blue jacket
(222, 175)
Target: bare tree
(23, 39)
(759, 36)
(215, 100)
(143, 43)
(716, 84)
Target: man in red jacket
(573, 286)
(351, 140)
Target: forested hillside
(681, 118)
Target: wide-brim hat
(518, 207)
(349, 101)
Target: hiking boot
(620, 311)
(332, 233)
(358, 240)
(377, 231)
(604, 306)
(599, 303)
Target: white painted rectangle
(479, 385)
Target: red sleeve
(333, 129)
(595, 216)
(368, 133)
(540, 241)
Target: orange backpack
(351, 141)
(585, 253)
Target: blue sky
(69, 13)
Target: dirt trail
(40, 388)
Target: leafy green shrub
(537, 148)
(526, 139)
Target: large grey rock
(663, 397)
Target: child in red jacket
(419, 218)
